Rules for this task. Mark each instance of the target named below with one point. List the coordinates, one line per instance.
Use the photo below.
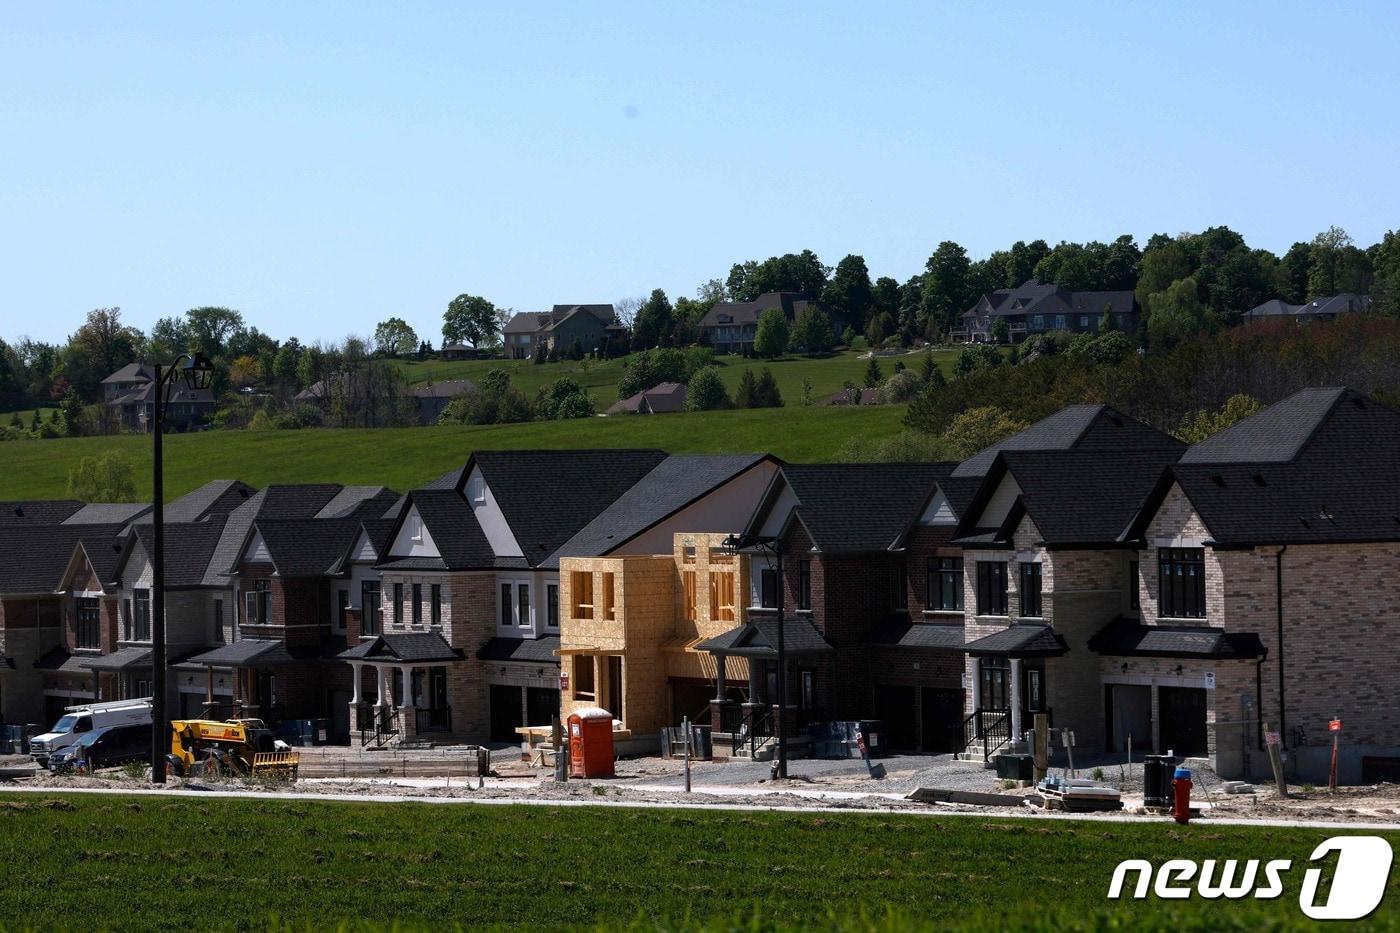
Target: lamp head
(197, 371)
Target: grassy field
(828, 374)
(405, 458)
(89, 863)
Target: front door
(505, 713)
(1182, 712)
(942, 720)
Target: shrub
(261, 421)
(706, 392)
(899, 388)
(109, 477)
(812, 332)
(564, 399)
(979, 428)
(974, 357)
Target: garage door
(505, 713)
(1182, 711)
(895, 707)
(543, 705)
(942, 720)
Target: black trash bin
(1016, 767)
(1157, 780)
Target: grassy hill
(408, 457)
(828, 374)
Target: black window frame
(804, 584)
(506, 617)
(370, 595)
(1032, 605)
(87, 619)
(1134, 581)
(991, 588)
(768, 588)
(417, 611)
(398, 603)
(994, 682)
(342, 607)
(435, 601)
(945, 579)
(900, 596)
(551, 605)
(1181, 582)
(139, 628)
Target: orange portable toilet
(590, 743)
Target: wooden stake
(1271, 742)
(1041, 752)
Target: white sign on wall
(1210, 680)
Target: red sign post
(1334, 727)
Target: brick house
(1044, 568)
(1282, 531)
(732, 326)
(1036, 308)
(558, 328)
(861, 545)
(468, 622)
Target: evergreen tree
(873, 375)
(929, 367)
(34, 424)
(766, 395)
(576, 351)
(747, 393)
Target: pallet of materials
(1078, 794)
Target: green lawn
(828, 374)
(88, 862)
(405, 458)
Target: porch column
(757, 688)
(381, 679)
(356, 668)
(719, 677)
(976, 683)
(1015, 699)
(406, 681)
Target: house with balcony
(648, 580)
(592, 326)
(1036, 308)
(731, 326)
(129, 397)
(1268, 555)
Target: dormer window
(476, 490)
(415, 528)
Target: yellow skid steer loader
(234, 747)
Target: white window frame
(520, 625)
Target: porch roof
(1127, 637)
(903, 633)
(1019, 640)
(759, 639)
(531, 650)
(120, 660)
(403, 648)
(251, 652)
(61, 660)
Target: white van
(79, 720)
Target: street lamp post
(773, 549)
(195, 370)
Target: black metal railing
(754, 732)
(376, 728)
(433, 720)
(731, 717)
(989, 728)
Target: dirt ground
(842, 785)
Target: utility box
(1016, 767)
(590, 743)
(1157, 773)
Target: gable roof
(132, 372)
(1035, 297)
(273, 503)
(37, 558)
(1124, 637)
(536, 322)
(1076, 498)
(547, 496)
(103, 555)
(1075, 427)
(37, 512)
(448, 388)
(663, 398)
(673, 484)
(420, 647)
(107, 513)
(726, 313)
(1345, 303)
(449, 518)
(855, 507)
(1318, 467)
(188, 548)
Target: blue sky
(321, 168)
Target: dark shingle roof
(263, 652)
(673, 484)
(532, 650)
(132, 372)
(1124, 637)
(36, 559)
(217, 497)
(104, 554)
(107, 513)
(1075, 427)
(1018, 641)
(1074, 497)
(273, 503)
(758, 638)
(1318, 467)
(59, 659)
(959, 491)
(448, 388)
(454, 529)
(308, 547)
(547, 496)
(121, 659)
(902, 633)
(854, 507)
(40, 512)
(667, 397)
(189, 546)
(406, 647)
